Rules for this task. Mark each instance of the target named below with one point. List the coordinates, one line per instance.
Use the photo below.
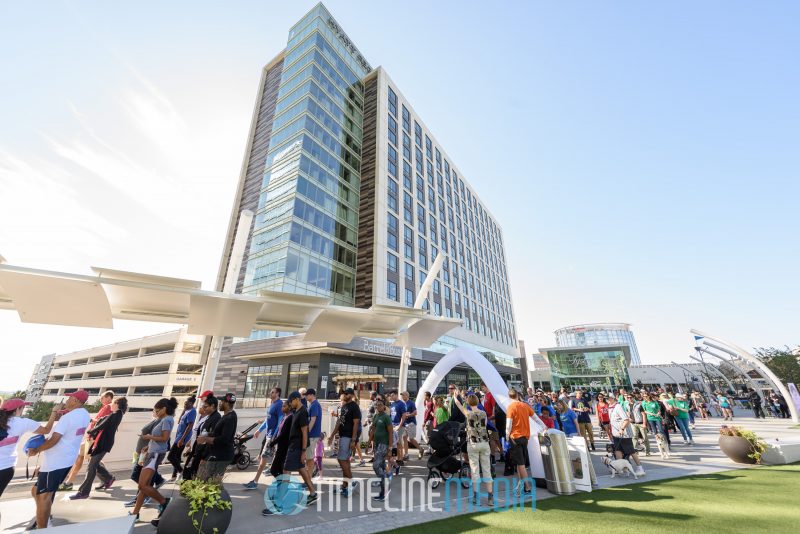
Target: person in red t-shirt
(603, 415)
(489, 405)
(105, 410)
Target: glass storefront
(589, 369)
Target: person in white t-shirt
(12, 427)
(621, 432)
(59, 453)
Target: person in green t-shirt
(381, 435)
(652, 410)
(441, 413)
(681, 408)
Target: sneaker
(135, 515)
(79, 496)
(312, 499)
(353, 485)
(130, 503)
(397, 470)
(344, 492)
(162, 507)
(379, 498)
(685, 442)
(65, 487)
(691, 442)
(420, 453)
(405, 458)
(250, 485)
(266, 512)
(154, 522)
(163, 480)
(362, 463)
(376, 483)
(147, 501)
(639, 470)
(110, 483)
(491, 500)
(593, 447)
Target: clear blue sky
(642, 159)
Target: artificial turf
(762, 499)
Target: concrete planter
(176, 519)
(736, 448)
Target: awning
(359, 379)
(50, 297)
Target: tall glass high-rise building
(354, 197)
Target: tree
(782, 362)
(19, 394)
(40, 411)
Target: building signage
(348, 44)
(379, 347)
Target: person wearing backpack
(12, 427)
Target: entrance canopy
(50, 297)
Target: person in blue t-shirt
(271, 424)
(397, 409)
(314, 426)
(568, 419)
(185, 424)
(410, 425)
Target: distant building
(584, 335)
(143, 370)
(41, 372)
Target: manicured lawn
(763, 499)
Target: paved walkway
(333, 515)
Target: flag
(698, 338)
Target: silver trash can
(557, 463)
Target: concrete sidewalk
(366, 516)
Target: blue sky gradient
(642, 159)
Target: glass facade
(305, 233)
(589, 369)
(598, 334)
(438, 212)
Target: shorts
(624, 445)
(344, 448)
(153, 461)
(265, 449)
(294, 458)
(518, 449)
(49, 481)
(401, 432)
(411, 430)
(312, 446)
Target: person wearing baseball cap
(12, 427)
(314, 426)
(59, 453)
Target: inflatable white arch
(496, 386)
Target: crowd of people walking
(200, 442)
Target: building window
(391, 262)
(409, 298)
(392, 241)
(392, 102)
(409, 272)
(391, 290)
(261, 379)
(298, 376)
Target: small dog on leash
(619, 467)
(663, 448)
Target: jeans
(379, 464)
(478, 454)
(640, 430)
(585, 429)
(97, 468)
(174, 458)
(683, 426)
(691, 416)
(658, 428)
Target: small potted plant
(203, 506)
(741, 445)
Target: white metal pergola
(51, 297)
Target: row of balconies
(160, 359)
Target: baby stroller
(241, 457)
(446, 459)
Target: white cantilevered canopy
(50, 297)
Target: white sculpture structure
(762, 368)
(496, 386)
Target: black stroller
(446, 459)
(241, 457)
